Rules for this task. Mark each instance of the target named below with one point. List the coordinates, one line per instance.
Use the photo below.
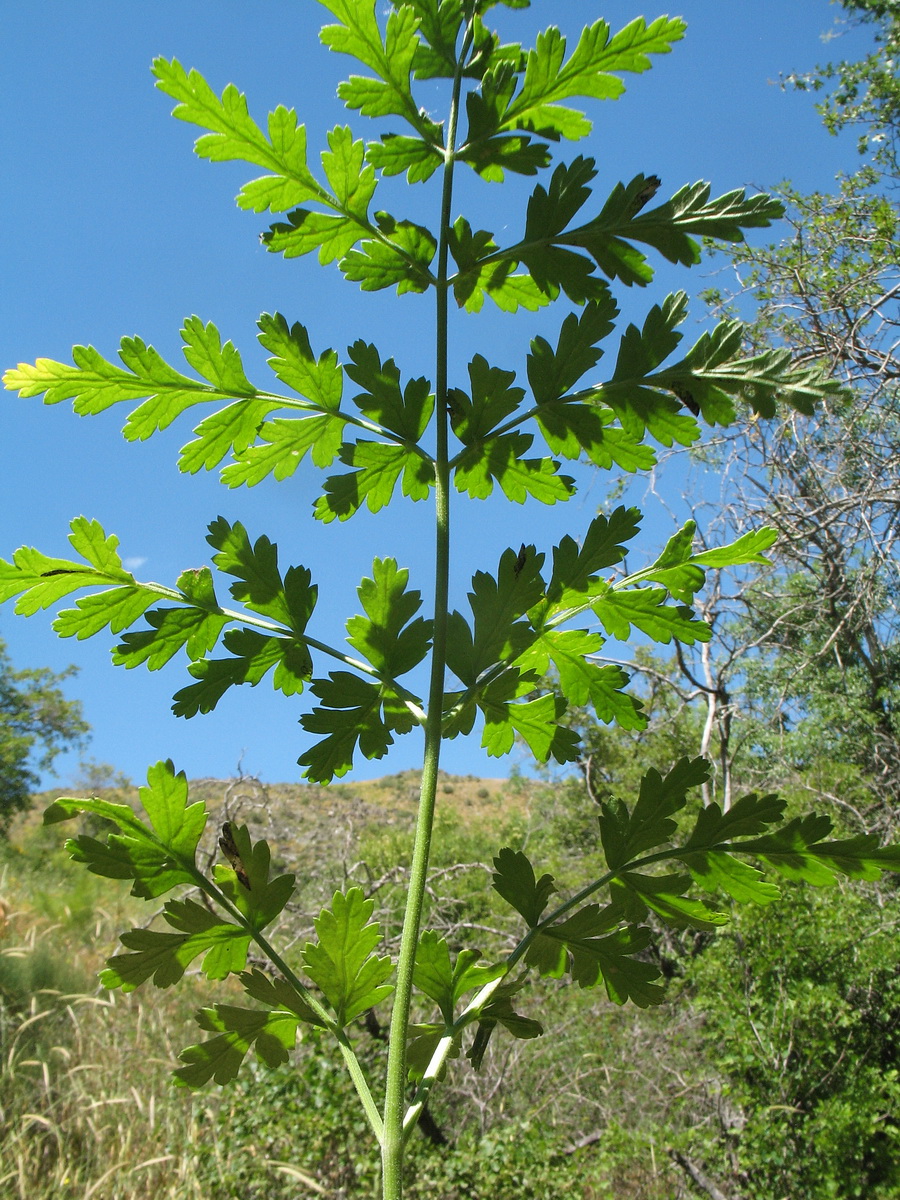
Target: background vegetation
(778, 1036)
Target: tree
(472, 433)
(37, 723)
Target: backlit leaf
(342, 962)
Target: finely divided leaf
(379, 465)
(583, 945)
(552, 373)
(502, 458)
(635, 893)
(582, 681)
(271, 1033)
(480, 274)
(236, 136)
(496, 606)
(354, 712)
(550, 77)
(319, 380)
(389, 59)
(405, 412)
(646, 609)
(492, 400)
(576, 568)
(342, 962)
(164, 957)
(260, 586)
(169, 630)
(246, 880)
(254, 655)
(40, 580)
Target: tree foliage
(37, 723)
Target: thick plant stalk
(395, 1093)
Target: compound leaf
(379, 466)
(246, 880)
(164, 957)
(445, 982)
(502, 458)
(626, 834)
(583, 945)
(234, 135)
(646, 609)
(581, 681)
(550, 77)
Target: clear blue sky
(112, 226)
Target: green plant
(394, 433)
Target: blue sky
(112, 226)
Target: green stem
(395, 1091)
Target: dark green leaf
(664, 894)
(353, 711)
(496, 606)
(272, 1034)
(577, 944)
(477, 278)
(170, 629)
(626, 835)
(492, 400)
(260, 586)
(164, 957)
(576, 568)
(379, 466)
(515, 881)
(552, 373)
